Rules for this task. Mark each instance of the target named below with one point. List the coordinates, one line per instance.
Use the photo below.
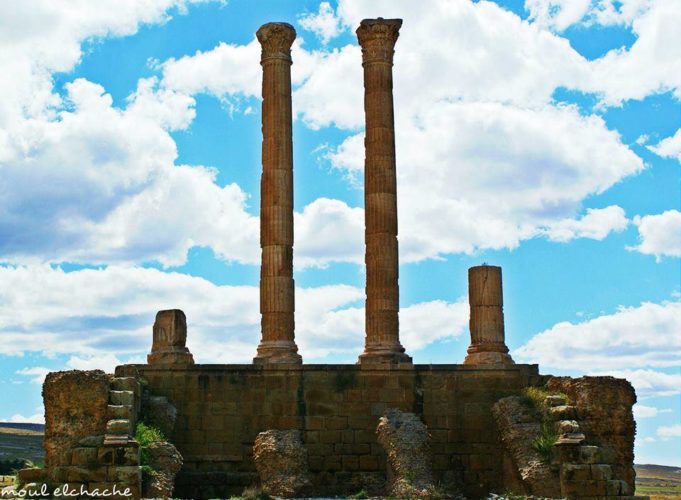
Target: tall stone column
(277, 344)
(485, 296)
(377, 38)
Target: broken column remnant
(170, 338)
(377, 38)
(277, 344)
(281, 460)
(406, 441)
(485, 296)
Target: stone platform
(222, 408)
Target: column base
(488, 358)
(384, 356)
(177, 356)
(278, 352)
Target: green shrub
(147, 434)
(360, 494)
(543, 444)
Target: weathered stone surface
(281, 461)
(166, 462)
(406, 441)
(604, 412)
(30, 475)
(485, 296)
(75, 407)
(518, 426)
(277, 304)
(377, 38)
(160, 413)
(170, 339)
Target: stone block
(350, 462)
(120, 412)
(91, 441)
(330, 437)
(75, 407)
(129, 475)
(613, 487)
(125, 384)
(122, 398)
(368, 463)
(314, 423)
(601, 472)
(556, 400)
(575, 472)
(563, 412)
(84, 456)
(332, 463)
(336, 423)
(589, 454)
(85, 474)
(119, 427)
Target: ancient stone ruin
(383, 425)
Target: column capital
(276, 40)
(377, 38)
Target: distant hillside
(40, 428)
(658, 481)
(20, 443)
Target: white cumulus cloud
(669, 147)
(632, 337)
(100, 317)
(660, 234)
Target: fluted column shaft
(277, 305)
(377, 38)
(485, 297)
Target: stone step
(125, 384)
(122, 398)
(567, 427)
(115, 412)
(563, 412)
(119, 427)
(556, 400)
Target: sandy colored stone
(377, 38)
(170, 339)
(166, 462)
(518, 426)
(485, 296)
(604, 412)
(281, 461)
(406, 442)
(75, 407)
(277, 288)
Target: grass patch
(543, 444)
(534, 397)
(145, 435)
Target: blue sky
(542, 136)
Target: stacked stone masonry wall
(222, 408)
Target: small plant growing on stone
(534, 397)
(360, 494)
(146, 435)
(543, 444)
